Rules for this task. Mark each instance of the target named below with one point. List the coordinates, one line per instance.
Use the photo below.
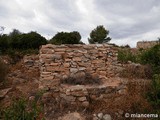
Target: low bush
(3, 71)
(152, 57)
(137, 71)
(81, 79)
(16, 55)
(20, 110)
(125, 55)
(154, 94)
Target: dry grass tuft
(137, 71)
(134, 101)
(81, 79)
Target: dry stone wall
(61, 61)
(83, 94)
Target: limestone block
(56, 56)
(81, 68)
(68, 98)
(68, 60)
(79, 93)
(82, 99)
(78, 55)
(60, 50)
(77, 59)
(45, 73)
(48, 78)
(55, 64)
(73, 70)
(66, 65)
(85, 104)
(49, 68)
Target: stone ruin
(58, 62)
(146, 44)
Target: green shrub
(152, 57)
(3, 42)
(66, 38)
(154, 94)
(23, 41)
(3, 71)
(126, 55)
(20, 110)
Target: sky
(128, 21)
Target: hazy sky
(127, 20)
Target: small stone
(60, 49)
(95, 118)
(31, 98)
(85, 104)
(107, 117)
(68, 98)
(46, 96)
(68, 92)
(100, 115)
(82, 68)
(120, 112)
(102, 73)
(82, 99)
(77, 59)
(46, 73)
(57, 56)
(72, 116)
(54, 64)
(66, 65)
(4, 92)
(73, 70)
(68, 60)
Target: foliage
(3, 71)
(17, 44)
(13, 38)
(30, 40)
(20, 110)
(152, 57)
(149, 57)
(125, 46)
(99, 35)
(3, 42)
(126, 55)
(22, 41)
(66, 38)
(154, 94)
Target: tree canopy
(99, 35)
(18, 40)
(66, 38)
